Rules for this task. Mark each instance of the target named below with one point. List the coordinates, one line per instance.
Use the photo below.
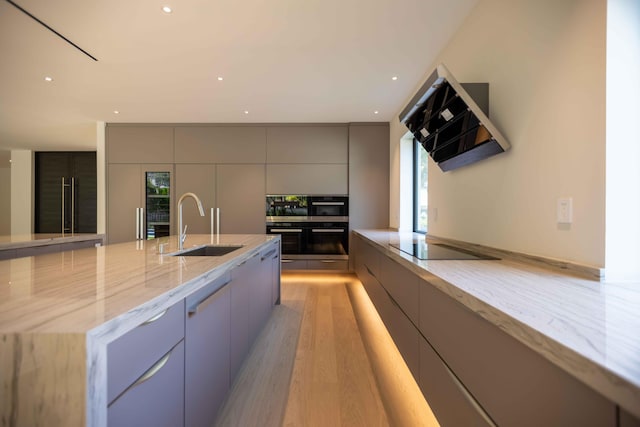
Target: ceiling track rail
(21, 9)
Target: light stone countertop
(16, 241)
(588, 328)
(77, 291)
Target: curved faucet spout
(182, 233)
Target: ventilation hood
(450, 124)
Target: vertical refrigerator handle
(142, 231)
(73, 205)
(62, 204)
(137, 223)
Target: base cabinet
(156, 398)
(207, 347)
(470, 371)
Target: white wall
(623, 143)
(21, 192)
(545, 63)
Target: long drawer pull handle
(327, 230)
(156, 317)
(286, 230)
(153, 370)
(469, 397)
(328, 261)
(194, 307)
(268, 254)
(286, 261)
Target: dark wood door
(68, 177)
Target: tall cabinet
(65, 192)
(140, 182)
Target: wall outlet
(564, 211)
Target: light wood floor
(310, 365)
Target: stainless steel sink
(209, 250)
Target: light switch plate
(565, 210)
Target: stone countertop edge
(526, 316)
(33, 240)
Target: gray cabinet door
(451, 403)
(260, 302)
(403, 286)
(156, 399)
(220, 144)
(123, 197)
(275, 276)
(198, 179)
(369, 176)
(139, 144)
(307, 179)
(240, 195)
(207, 343)
(241, 287)
(307, 144)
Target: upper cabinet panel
(220, 144)
(308, 144)
(139, 144)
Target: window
(420, 199)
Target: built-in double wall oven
(311, 227)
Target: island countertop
(15, 241)
(77, 291)
(589, 328)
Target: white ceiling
(281, 60)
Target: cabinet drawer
(129, 356)
(328, 264)
(514, 384)
(450, 402)
(403, 286)
(156, 398)
(294, 264)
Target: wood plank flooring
(309, 367)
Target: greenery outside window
(420, 199)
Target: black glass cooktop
(433, 251)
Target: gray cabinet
(207, 346)
(199, 179)
(509, 380)
(237, 190)
(470, 371)
(139, 143)
(307, 179)
(241, 286)
(145, 366)
(156, 398)
(260, 304)
(627, 420)
(240, 192)
(451, 403)
(307, 144)
(220, 144)
(126, 193)
(369, 176)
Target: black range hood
(450, 124)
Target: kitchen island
(65, 317)
(528, 345)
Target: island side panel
(42, 379)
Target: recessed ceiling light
(48, 79)
(394, 78)
(116, 112)
(246, 111)
(166, 9)
(220, 78)
(375, 112)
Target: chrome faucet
(182, 233)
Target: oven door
(292, 236)
(329, 206)
(327, 238)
